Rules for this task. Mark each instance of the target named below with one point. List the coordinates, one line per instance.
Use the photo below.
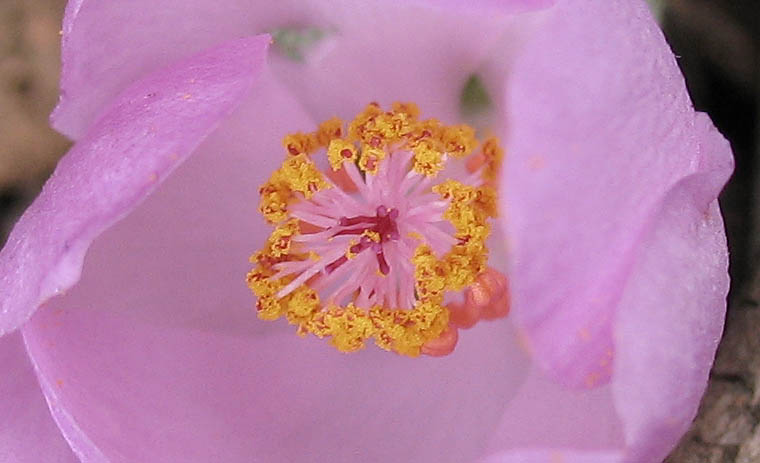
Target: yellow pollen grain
(300, 174)
(458, 140)
(408, 108)
(301, 305)
(340, 151)
(300, 143)
(428, 160)
(349, 254)
(370, 158)
(494, 157)
(275, 196)
(329, 130)
(357, 129)
(373, 235)
(415, 236)
(487, 201)
(279, 242)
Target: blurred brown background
(718, 45)
(29, 66)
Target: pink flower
(145, 345)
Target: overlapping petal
(670, 317)
(107, 45)
(29, 434)
(161, 348)
(602, 129)
(149, 130)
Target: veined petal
(147, 132)
(29, 434)
(602, 128)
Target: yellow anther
(357, 130)
(377, 128)
(416, 236)
(300, 174)
(373, 235)
(458, 140)
(279, 242)
(350, 254)
(487, 201)
(349, 327)
(370, 158)
(269, 307)
(275, 196)
(340, 151)
(429, 129)
(300, 143)
(410, 109)
(302, 304)
(429, 272)
(494, 156)
(331, 129)
(428, 160)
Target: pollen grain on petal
(376, 245)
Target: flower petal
(160, 344)
(29, 434)
(545, 415)
(149, 130)
(187, 395)
(399, 51)
(556, 456)
(493, 6)
(670, 318)
(602, 128)
(108, 45)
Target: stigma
(380, 230)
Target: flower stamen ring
(375, 244)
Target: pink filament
(396, 205)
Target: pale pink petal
(491, 6)
(161, 345)
(547, 415)
(402, 51)
(108, 45)
(385, 51)
(148, 131)
(28, 433)
(602, 128)
(555, 456)
(146, 392)
(670, 318)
